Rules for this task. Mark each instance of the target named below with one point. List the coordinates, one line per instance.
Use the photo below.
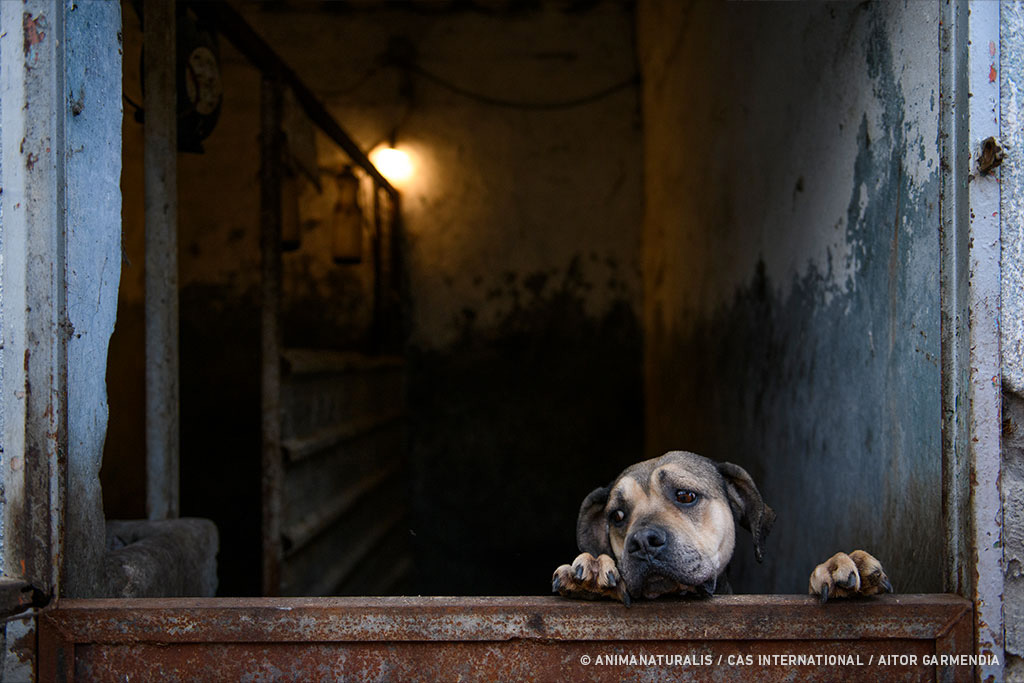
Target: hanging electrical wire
(569, 103)
(356, 84)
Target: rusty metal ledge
(440, 619)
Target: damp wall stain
(791, 307)
(510, 428)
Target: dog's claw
(846, 575)
(589, 578)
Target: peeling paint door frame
(34, 306)
(970, 276)
(60, 115)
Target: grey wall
(791, 269)
(1011, 85)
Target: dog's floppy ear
(592, 525)
(747, 505)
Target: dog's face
(670, 522)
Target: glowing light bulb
(394, 164)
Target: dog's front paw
(843, 575)
(590, 578)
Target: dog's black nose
(647, 541)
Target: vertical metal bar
(983, 326)
(271, 99)
(953, 285)
(33, 233)
(399, 285)
(970, 291)
(160, 140)
(378, 274)
(35, 325)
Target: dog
(668, 526)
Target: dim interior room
(626, 228)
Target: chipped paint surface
(61, 244)
(35, 28)
(791, 268)
(983, 329)
(1011, 175)
(93, 173)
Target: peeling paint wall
(93, 122)
(791, 269)
(61, 97)
(1011, 176)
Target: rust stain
(488, 638)
(992, 73)
(34, 33)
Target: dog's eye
(686, 498)
(618, 517)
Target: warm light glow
(394, 164)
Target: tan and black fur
(668, 526)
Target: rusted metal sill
(434, 619)
(504, 638)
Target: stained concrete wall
(1011, 176)
(791, 269)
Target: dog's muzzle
(655, 564)
(647, 543)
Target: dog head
(670, 522)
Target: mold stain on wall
(819, 372)
(512, 426)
